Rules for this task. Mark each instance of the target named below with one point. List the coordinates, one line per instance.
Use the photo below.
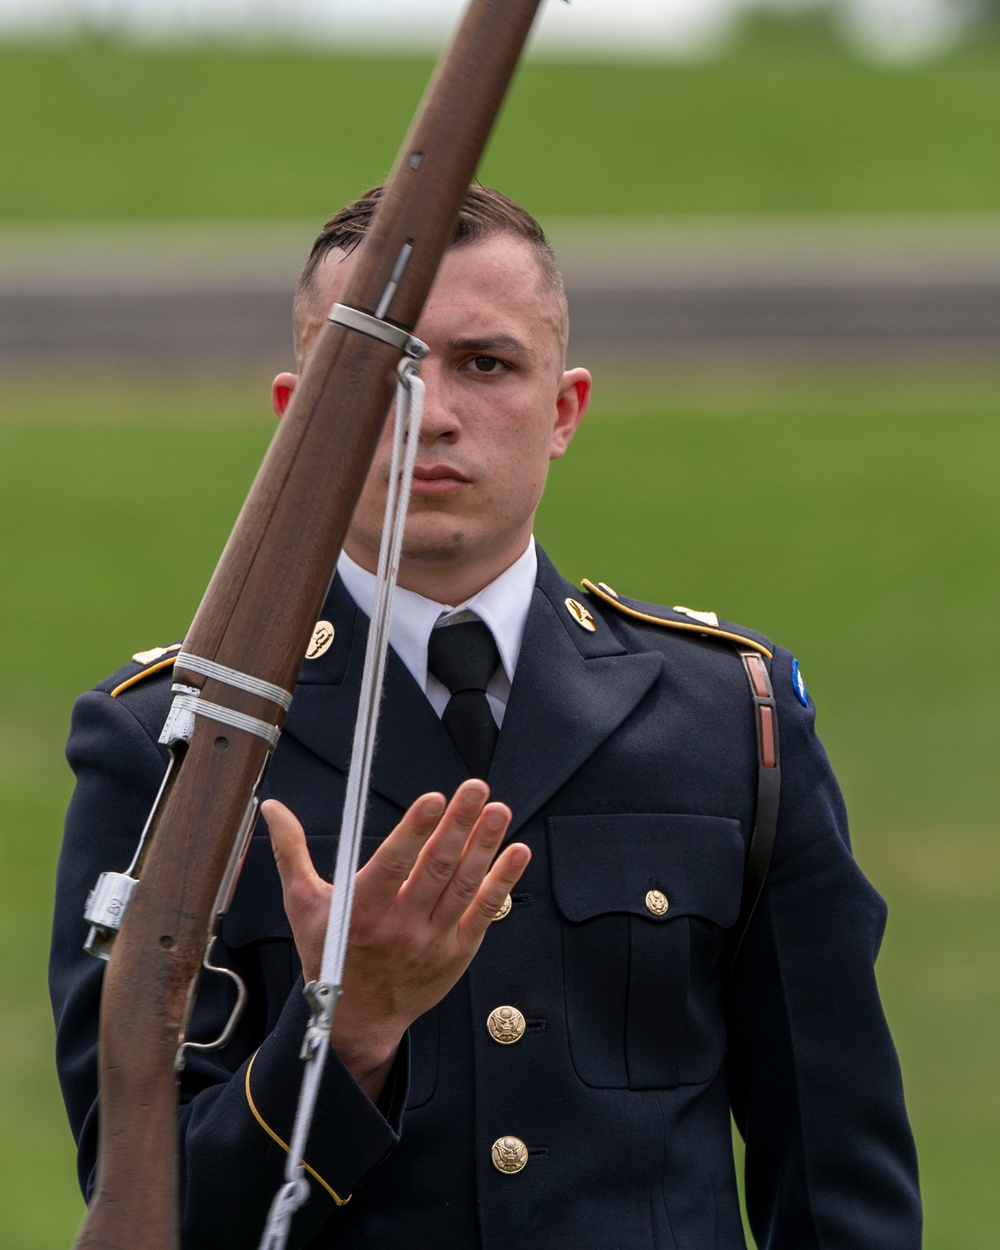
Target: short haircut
(485, 214)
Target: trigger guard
(234, 1016)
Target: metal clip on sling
(107, 901)
(322, 997)
(104, 910)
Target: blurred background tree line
(780, 224)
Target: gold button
(656, 902)
(506, 1025)
(505, 907)
(510, 1154)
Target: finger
(467, 879)
(443, 851)
(491, 895)
(393, 862)
(304, 893)
(288, 841)
(302, 888)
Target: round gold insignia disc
(321, 640)
(505, 907)
(505, 1025)
(656, 902)
(580, 614)
(509, 1155)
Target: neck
(442, 581)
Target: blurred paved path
(166, 293)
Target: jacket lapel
(571, 691)
(414, 753)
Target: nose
(440, 419)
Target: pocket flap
(610, 863)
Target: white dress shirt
(502, 605)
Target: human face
(499, 406)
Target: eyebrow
(492, 344)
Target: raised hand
(422, 905)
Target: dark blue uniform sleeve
(238, 1104)
(815, 1082)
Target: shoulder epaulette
(704, 623)
(154, 661)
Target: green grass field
(853, 518)
(785, 123)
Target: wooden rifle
(242, 655)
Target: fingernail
(475, 793)
(495, 820)
(431, 809)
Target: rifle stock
(256, 617)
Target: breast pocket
(645, 900)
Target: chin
(428, 547)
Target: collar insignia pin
(154, 653)
(580, 614)
(147, 657)
(321, 640)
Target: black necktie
(464, 658)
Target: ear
(572, 402)
(282, 389)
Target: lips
(438, 481)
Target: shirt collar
(502, 605)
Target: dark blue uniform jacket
(628, 757)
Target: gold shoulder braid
(154, 660)
(704, 623)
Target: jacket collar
(572, 689)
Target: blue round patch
(799, 684)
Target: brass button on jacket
(656, 902)
(505, 907)
(506, 1025)
(509, 1155)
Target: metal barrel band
(226, 716)
(233, 677)
(376, 328)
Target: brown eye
(484, 366)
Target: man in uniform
(547, 1020)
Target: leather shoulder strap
(768, 794)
